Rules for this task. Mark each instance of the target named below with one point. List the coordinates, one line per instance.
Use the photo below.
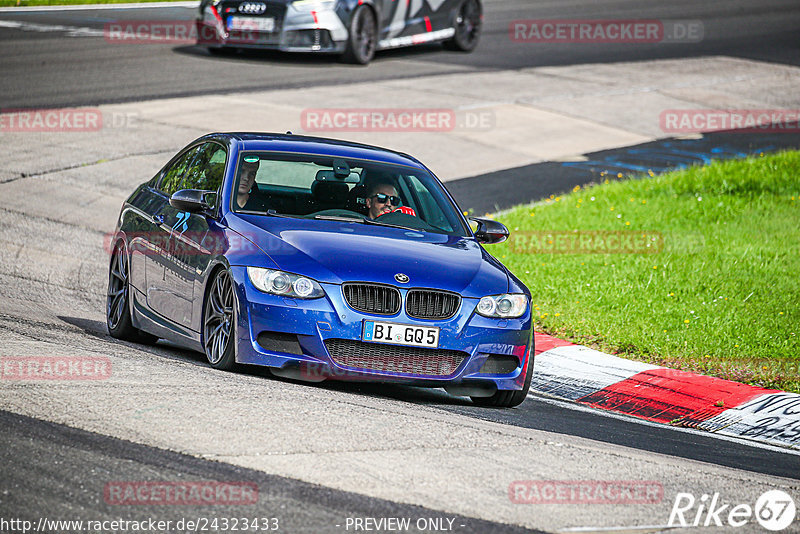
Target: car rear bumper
(322, 339)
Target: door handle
(158, 219)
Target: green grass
(720, 298)
(23, 3)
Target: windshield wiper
(273, 213)
(379, 223)
(341, 218)
(365, 220)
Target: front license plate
(401, 334)
(252, 24)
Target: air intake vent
(428, 304)
(394, 358)
(372, 298)
(279, 342)
(500, 364)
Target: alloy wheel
(468, 22)
(117, 295)
(219, 318)
(365, 33)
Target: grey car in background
(355, 29)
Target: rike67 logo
(774, 510)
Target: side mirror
(191, 200)
(489, 231)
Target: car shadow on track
(404, 393)
(165, 349)
(308, 59)
(411, 394)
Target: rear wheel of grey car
(362, 40)
(509, 399)
(118, 313)
(468, 27)
(219, 322)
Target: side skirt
(149, 321)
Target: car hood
(336, 252)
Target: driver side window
(207, 170)
(172, 180)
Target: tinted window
(173, 178)
(207, 169)
(287, 173)
(306, 186)
(428, 204)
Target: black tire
(219, 322)
(118, 313)
(509, 398)
(362, 38)
(468, 25)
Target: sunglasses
(382, 199)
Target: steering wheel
(406, 209)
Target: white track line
(71, 31)
(621, 529)
(84, 7)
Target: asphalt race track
(88, 70)
(80, 456)
(492, 192)
(320, 455)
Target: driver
(381, 199)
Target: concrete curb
(586, 376)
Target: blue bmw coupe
(319, 259)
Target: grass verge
(709, 280)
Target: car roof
(320, 145)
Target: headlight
(307, 6)
(505, 306)
(285, 284)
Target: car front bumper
(292, 30)
(307, 337)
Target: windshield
(323, 187)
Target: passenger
(244, 198)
